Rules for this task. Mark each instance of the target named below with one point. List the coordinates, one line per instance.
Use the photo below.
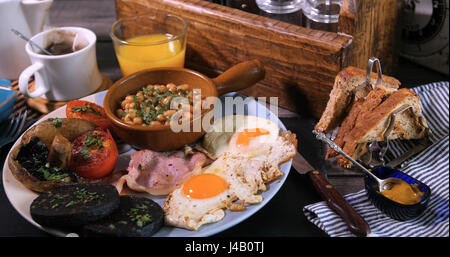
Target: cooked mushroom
(37, 174)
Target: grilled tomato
(85, 110)
(94, 154)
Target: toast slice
(356, 114)
(348, 89)
(372, 121)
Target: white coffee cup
(62, 77)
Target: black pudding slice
(135, 217)
(75, 205)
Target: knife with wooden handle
(356, 224)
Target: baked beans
(150, 106)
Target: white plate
(21, 197)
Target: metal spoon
(31, 42)
(383, 184)
(74, 42)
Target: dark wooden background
(282, 216)
(99, 15)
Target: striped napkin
(431, 167)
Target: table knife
(356, 224)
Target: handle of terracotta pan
(240, 76)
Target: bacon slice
(158, 173)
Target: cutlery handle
(356, 224)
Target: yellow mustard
(404, 193)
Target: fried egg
(200, 200)
(244, 132)
(247, 159)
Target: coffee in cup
(71, 72)
(62, 42)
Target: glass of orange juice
(149, 41)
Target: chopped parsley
(143, 220)
(84, 152)
(86, 108)
(51, 176)
(91, 140)
(34, 158)
(57, 122)
(151, 104)
(70, 203)
(56, 197)
(83, 196)
(140, 215)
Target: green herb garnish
(143, 220)
(57, 122)
(51, 176)
(83, 196)
(70, 203)
(86, 108)
(84, 151)
(135, 215)
(56, 197)
(86, 196)
(91, 140)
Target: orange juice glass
(149, 41)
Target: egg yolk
(204, 186)
(244, 137)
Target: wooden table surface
(283, 215)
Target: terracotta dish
(162, 138)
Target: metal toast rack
(377, 150)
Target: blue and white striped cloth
(431, 167)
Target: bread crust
(351, 72)
(356, 114)
(347, 90)
(362, 113)
(372, 123)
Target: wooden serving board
(376, 30)
(301, 64)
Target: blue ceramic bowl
(393, 209)
(7, 99)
